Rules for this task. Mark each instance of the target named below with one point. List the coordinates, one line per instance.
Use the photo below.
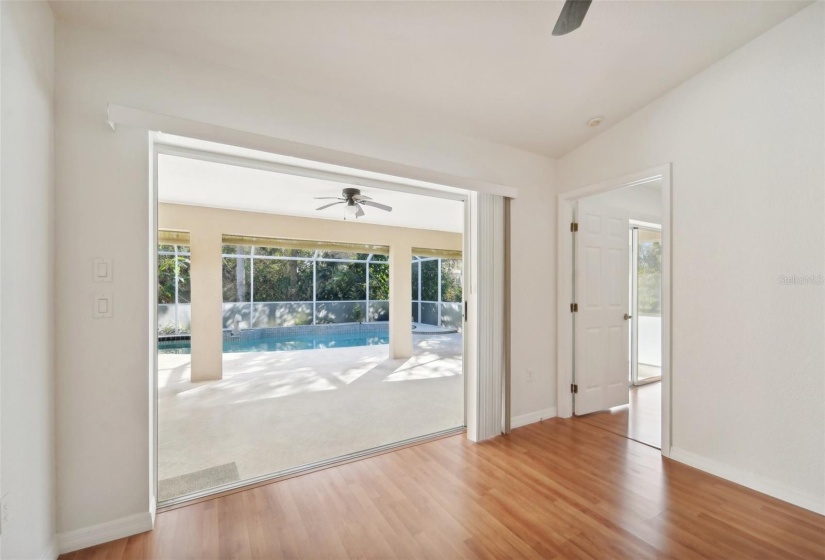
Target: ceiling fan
(354, 201)
(571, 17)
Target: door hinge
(574, 227)
(574, 308)
(574, 388)
(465, 310)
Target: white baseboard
(750, 480)
(530, 418)
(52, 551)
(105, 532)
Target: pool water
(280, 344)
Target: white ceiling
(491, 68)
(184, 180)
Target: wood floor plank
(556, 489)
(640, 420)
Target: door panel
(601, 331)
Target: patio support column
(400, 301)
(207, 304)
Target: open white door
(601, 327)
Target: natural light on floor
(277, 410)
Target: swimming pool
(283, 343)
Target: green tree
(429, 280)
(451, 280)
(166, 279)
(650, 277)
(277, 280)
(357, 313)
(339, 281)
(166, 275)
(379, 281)
(283, 280)
(236, 285)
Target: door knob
(626, 316)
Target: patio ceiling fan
(354, 201)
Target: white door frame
(470, 329)
(564, 282)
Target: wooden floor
(640, 420)
(555, 489)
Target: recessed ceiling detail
(594, 122)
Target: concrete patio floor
(277, 410)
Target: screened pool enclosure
(285, 283)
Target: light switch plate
(102, 271)
(103, 306)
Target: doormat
(189, 483)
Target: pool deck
(277, 410)
(424, 328)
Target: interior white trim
(52, 551)
(646, 225)
(564, 278)
(85, 537)
(153, 508)
(118, 115)
(470, 334)
(469, 362)
(533, 417)
(810, 502)
(468, 349)
(152, 296)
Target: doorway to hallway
(617, 324)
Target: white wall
(27, 418)
(102, 197)
(747, 144)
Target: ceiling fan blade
(360, 211)
(361, 197)
(329, 198)
(571, 17)
(331, 204)
(383, 207)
